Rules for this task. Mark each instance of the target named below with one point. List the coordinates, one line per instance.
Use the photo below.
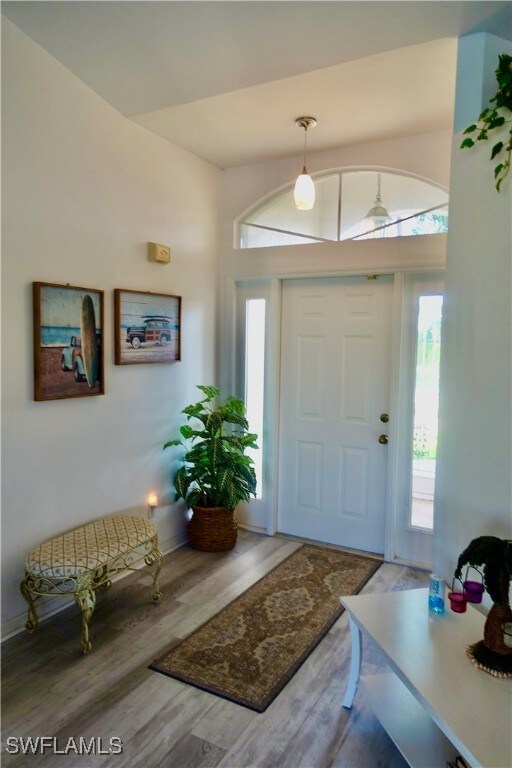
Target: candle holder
(457, 598)
(473, 589)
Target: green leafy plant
(215, 471)
(495, 117)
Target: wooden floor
(50, 689)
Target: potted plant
(495, 555)
(216, 474)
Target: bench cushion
(90, 547)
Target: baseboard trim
(254, 528)
(412, 563)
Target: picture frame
(68, 341)
(147, 327)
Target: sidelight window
(255, 379)
(426, 406)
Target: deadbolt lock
(383, 439)
(384, 417)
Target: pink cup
(457, 601)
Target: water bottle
(436, 594)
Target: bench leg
(86, 601)
(25, 590)
(155, 556)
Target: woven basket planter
(491, 653)
(493, 632)
(212, 530)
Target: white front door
(335, 373)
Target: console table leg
(355, 664)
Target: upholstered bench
(85, 559)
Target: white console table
(434, 703)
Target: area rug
(250, 649)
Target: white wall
(473, 486)
(84, 190)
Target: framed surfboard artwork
(68, 341)
(147, 327)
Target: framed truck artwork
(68, 341)
(147, 327)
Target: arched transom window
(350, 205)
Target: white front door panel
(335, 370)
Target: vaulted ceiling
(226, 80)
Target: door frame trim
(390, 527)
(409, 543)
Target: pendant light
(378, 214)
(304, 193)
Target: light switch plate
(159, 253)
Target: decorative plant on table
(216, 473)
(496, 117)
(495, 555)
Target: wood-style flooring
(50, 689)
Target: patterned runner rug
(250, 649)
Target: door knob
(383, 439)
(384, 417)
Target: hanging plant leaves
(496, 150)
